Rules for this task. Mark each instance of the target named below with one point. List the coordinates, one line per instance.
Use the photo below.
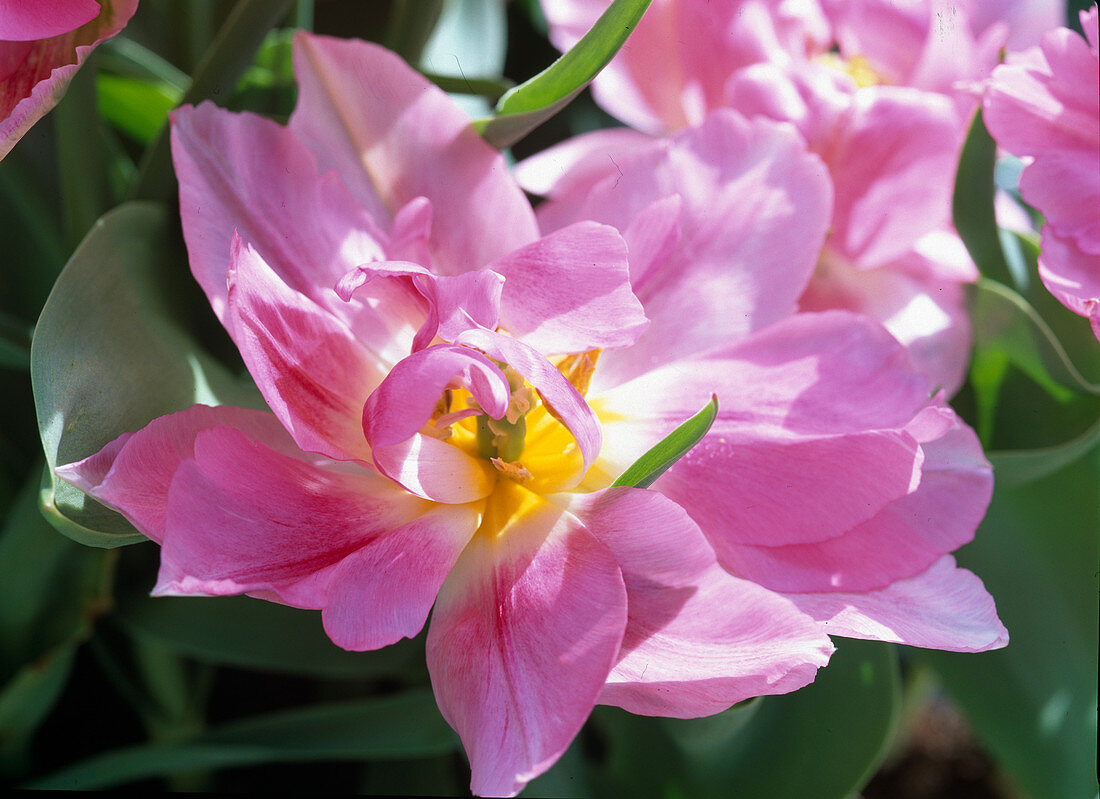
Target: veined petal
(242, 517)
(570, 291)
(754, 206)
(698, 639)
(24, 22)
(522, 638)
(903, 538)
(1072, 276)
(132, 474)
(393, 136)
(944, 607)
(34, 70)
(311, 370)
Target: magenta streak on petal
(25, 21)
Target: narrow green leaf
(392, 727)
(124, 57)
(249, 633)
(25, 701)
(106, 359)
(15, 343)
(972, 203)
(528, 105)
(1019, 467)
(1006, 321)
(670, 449)
(482, 87)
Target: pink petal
(901, 540)
(35, 73)
(697, 640)
(403, 404)
(393, 136)
(524, 633)
(226, 535)
(311, 370)
(132, 474)
(243, 173)
(754, 210)
(555, 390)
(787, 458)
(21, 21)
(944, 607)
(893, 166)
(570, 291)
(1072, 276)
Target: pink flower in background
(42, 44)
(1044, 106)
(891, 150)
(451, 397)
(722, 243)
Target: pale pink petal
(573, 166)
(132, 473)
(1065, 187)
(311, 370)
(1072, 276)
(557, 392)
(307, 227)
(34, 74)
(570, 291)
(925, 312)
(21, 21)
(697, 639)
(754, 210)
(393, 136)
(893, 166)
(225, 534)
(403, 405)
(944, 607)
(522, 638)
(901, 540)
(787, 428)
(1027, 20)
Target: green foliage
(528, 105)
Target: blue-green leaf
(972, 203)
(662, 455)
(528, 105)
(1019, 467)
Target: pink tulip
(891, 150)
(42, 44)
(452, 396)
(1044, 105)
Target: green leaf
(1005, 321)
(410, 25)
(106, 359)
(136, 107)
(528, 105)
(824, 741)
(972, 203)
(253, 634)
(1019, 467)
(393, 727)
(15, 344)
(1033, 703)
(670, 449)
(124, 57)
(25, 701)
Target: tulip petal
(570, 291)
(35, 71)
(306, 226)
(944, 607)
(393, 136)
(523, 635)
(24, 22)
(132, 474)
(242, 518)
(311, 370)
(698, 639)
